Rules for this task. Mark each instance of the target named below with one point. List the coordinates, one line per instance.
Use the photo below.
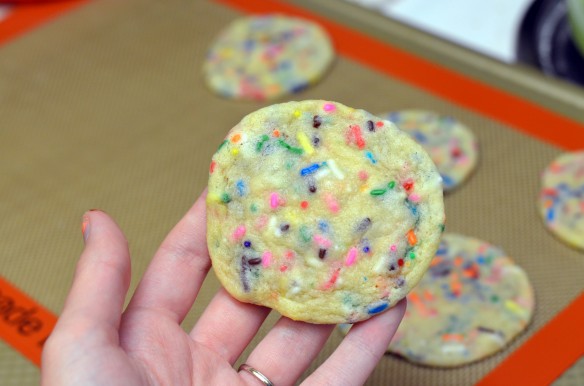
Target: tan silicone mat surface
(105, 108)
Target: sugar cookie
(323, 212)
(472, 301)
(264, 57)
(561, 200)
(450, 144)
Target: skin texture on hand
(96, 342)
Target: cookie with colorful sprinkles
(265, 57)
(561, 199)
(325, 213)
(470, 304)
(451, 145)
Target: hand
(95, 343)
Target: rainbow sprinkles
(325, 213)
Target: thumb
(93, 308)
(102, 276)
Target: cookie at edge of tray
(561, 199)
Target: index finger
(177, 270)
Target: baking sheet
(106, 108)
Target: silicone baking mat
(105, 107)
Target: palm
(94, 343)
(158, 349)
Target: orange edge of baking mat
(547, 354)
(24, 17)
(520, 114)
(24, 324)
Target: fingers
(287, 351)
(289, 348)
(228, 325)
(102, 277)
(358, 354)
(175, 275)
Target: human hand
(95, 343)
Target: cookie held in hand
(322, 212)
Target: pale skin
(97, 342)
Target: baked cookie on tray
(470, 304)
(451, 145)
(325, 213)
(561, 200)
(265, 57)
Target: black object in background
(545, 41)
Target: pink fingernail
(85, 227)
(85, 224)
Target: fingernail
(85, 227)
